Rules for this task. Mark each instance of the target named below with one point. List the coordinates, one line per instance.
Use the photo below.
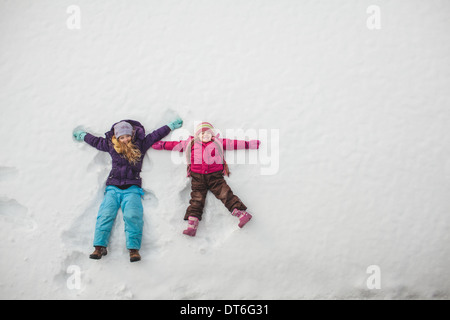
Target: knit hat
(204, 126)
(123, 128)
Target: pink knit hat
(123, 128)
(204, 126)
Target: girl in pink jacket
(207, 167)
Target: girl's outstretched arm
(97, 142)
(229, 144)
(154, 137)
(160, 133)
(172, 145)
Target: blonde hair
(128, 151)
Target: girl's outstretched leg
(223, 192)
(105, 218)
(199, 190)
(133, 212)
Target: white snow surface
(353, 170)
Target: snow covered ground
(349, 191)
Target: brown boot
(134, 255)
(98, 253)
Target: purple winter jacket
(123, 172)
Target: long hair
(128, 151)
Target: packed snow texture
(349, 190)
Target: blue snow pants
(130, 202)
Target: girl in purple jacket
(127, 144)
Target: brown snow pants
(215, 182)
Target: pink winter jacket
(206, 157)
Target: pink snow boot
(243, 216)
(192, 227)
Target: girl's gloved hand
(79, 135)
(177, 123)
